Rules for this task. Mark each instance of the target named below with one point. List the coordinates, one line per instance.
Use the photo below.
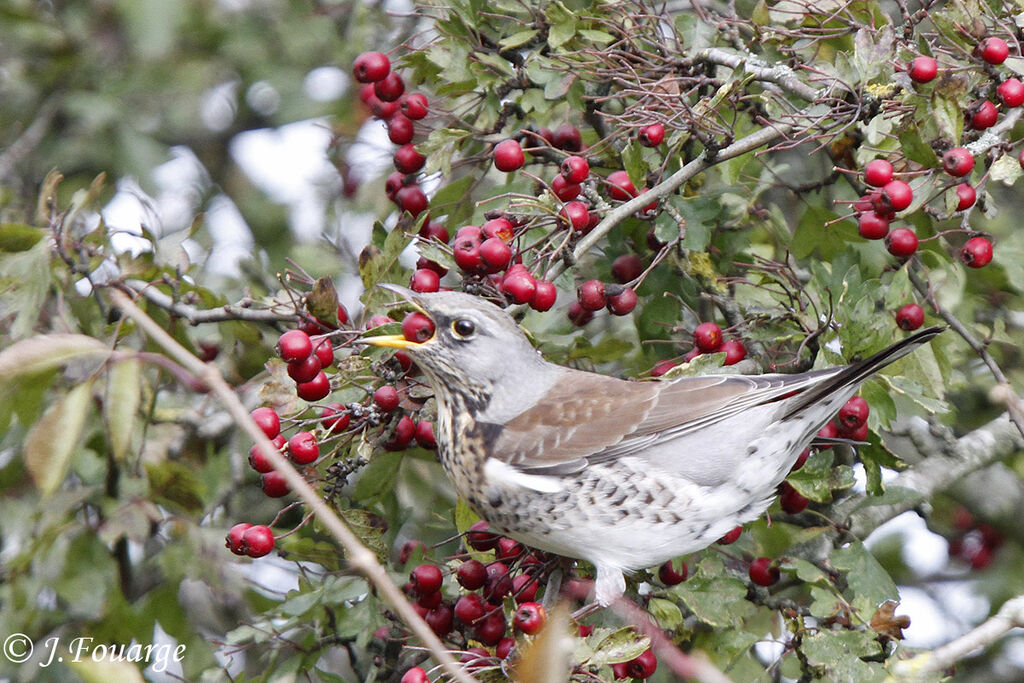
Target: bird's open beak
(396, 341)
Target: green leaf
(455, 192)
(562, 23)
(949, 116)
(870, 583)
(715, 599)
(322, 301)
(19, 237)
(54, 437)
(45, 352)
(666, 613)
(916, 149)
(517, 39)
(839, 654)
(124, 383)
(599, 38)
(812, 235)
(633, 162)
(1006, 169)
(377, 477)
(619, 646)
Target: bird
(624, 474)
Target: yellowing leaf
(121, 404)
(100, 670)
(53, 438)
(46, 352)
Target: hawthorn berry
(492, 629)
(578, 315)
(910, 317)
(405, 430)
(233, 541)
(519, 285)
(335, 417)
(417, 327)
(389, 88)
(524, 588)
(495, 253)
(661, 367)
(386, 398)
(801, 459)
(303, 448)
(764, 572)
(415, 675)
(591, 295)
(643, 665)
(475, 658)
(498, 583)
(1011, 92)
(563, 189)
(976, 253)
(966, 195)
(315, 389)
(258, 461)
(791, 500)
(651, 135)
(414, 106)
(304, 369)
(407, 160)
(923, 69)
(901, 242)
(426, 578)
(530, 618)
(504, 648)
(544, 295)
(994, 50)
(274, 484)
(957, 162)
(424, 434)
(424, 280)
(501, 228)
(575, 169)
(470, 608)
(471, 574)
(731, 536)
(734, 351)
(982, 114)
(576, 215)
(378, 107)
(877, 172)
(620, 186)
(872, 226)
(480, 537)
(897, 195)
(626, 268)
(370, 67)
(323, 349)
(857, 434)
(623, 302)
(670, 576)
(829, 431)
(439, 619)
(267, 420)
(707, 337)
(567, 137)
(400, 129)
(854, 413)
(258, 540)
(508, 156)
(294, 345)
(412, 199)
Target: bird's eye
(463, 328)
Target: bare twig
(197, 316)
(359, 556)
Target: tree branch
(359, 556)
(30, 139)
(197, 316)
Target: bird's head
(475, 345)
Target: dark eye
(463, 328)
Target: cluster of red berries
(246, 539)
(642, 666)
(593, 295)
(974, 542)
(383, 92)
(707, 338)
(851, 422)
(308, 351)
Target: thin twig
(197, 316)
(359, 556)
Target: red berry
(982, 114)
(829, 431)
(400, 129)
(619, 671)
(303, 448)
(524, 588)
(404, 432)
(508, 549)
(323, 349)
(707, 337)
(508, 156)
(567, 137)
(670, 576)
(377, 321)
(801, 459)
(411, 198)
(530, 618)
(626, 268)
(620, 186)
(1020, 158)
(408, 160)
(495, 253)
(858, 434)
(498, 583)
(504, 648)
(425, 280)
(415, 675)
(872, 226)
(389, 88)
(877, 172)
(274, 484)
(575, 169)
(424, 434)
(466, 254)
(854, 413)
(519, 285)
(315, 389)
(394, 183)
(439, 619)
(910, 317)
(258, 541)
(258, 461)
(976, 253)
(426, 264)
(471, 574)
(661, 367)
(417, 328)
(335, 418)
(966, 195)
(414, 106)
(470, 608)
(378, 107)
(563, 189)
(475, 658)
(267, 420)
(643, 666)
(651, 135)
(501, 228)
(576, 215)
(233, 541)
(544, 295)
(623, 302)
(304, 369)
(994, 50)
(763, 572)
(480, 537)
(957, 162)
(734, 351)
(731, 537)
(923, 69)
(371, 67)
(901, 242)
(386, 398)
(434, 230)
(426, 578)
(897, 194)
(791, 500)
(294, 345)
(591, 295)
(1011, 92)
(492, 629)
(578, 315)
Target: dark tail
(860, 371)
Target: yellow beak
(396, 341)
